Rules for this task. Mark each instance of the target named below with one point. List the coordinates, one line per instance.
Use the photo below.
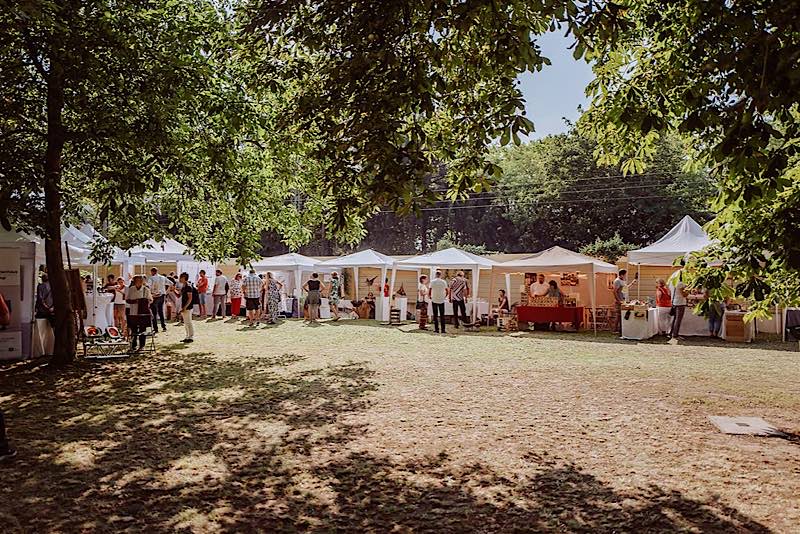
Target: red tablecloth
(536, 314)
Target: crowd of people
(143, 302)
(436, 293)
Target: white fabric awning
(286, 262)
(364, 258)
(557, 258)
(450, 258)
(685, 237)
(168, 250)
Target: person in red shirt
(663, 296)
(202, 289)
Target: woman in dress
(273, 296)
(236, 293)
(333, 295)
(313, 299)
(664, 304)
(423, 294)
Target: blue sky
(558, 89)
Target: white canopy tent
(292, 262)
(560, 259)
(370, 259)
(451, 258)
(166, 251)
(685, 237)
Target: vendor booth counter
(639, 323)
(550, 314)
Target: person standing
(119, 306)
(619, 298)
(679, 302)
(202, 289)
(44, 300)
(273, 296)
(539, 287)
(438, 292)
(158, 291)
(139, 302)
(663, 304)
(219, 294)
(423, 292)
(236, 294)
(313, 299)
(252, 292)
(177, 291)
(333, 295)
(187, 303)
(459, 293)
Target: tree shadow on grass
(191, 442)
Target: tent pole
(355, 275)
(638, 281)
(594, 300)
(491, 289)
(508, 289)
(476, 279)
(383, 299)
(94, 293)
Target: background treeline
(551, 192)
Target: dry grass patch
(350, 427)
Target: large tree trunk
(64, 329)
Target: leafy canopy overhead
(393, 89)
(725, 75)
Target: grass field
(358, 427)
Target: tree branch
(22, 130)
(31, 47)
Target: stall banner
(10, 289)
(10, 345)
(9, 266)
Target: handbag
(672, 311)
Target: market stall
(293, 263)
(373, 259)
(451, 258)
(639, 321)
(561, 262)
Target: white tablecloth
(692, 325)
(663, 319)
(399, 302)
(640, 327)
(103, 311)
(43, 338)
(749, 327)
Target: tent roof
(167, 250)
(289, 261)
(686, 236)
(449, 258)
(364, 258)
(559, 258)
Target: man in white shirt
(679, 303)
(539, 287)
(158, 284)
(438, 291)
(219, 294)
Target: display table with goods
(547, 310)
(734, 328)
(639, 321)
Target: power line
(546, 202)
(490, 194)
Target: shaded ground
(355, 427)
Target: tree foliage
(610, 249)
(725, 76)
(393, 90)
